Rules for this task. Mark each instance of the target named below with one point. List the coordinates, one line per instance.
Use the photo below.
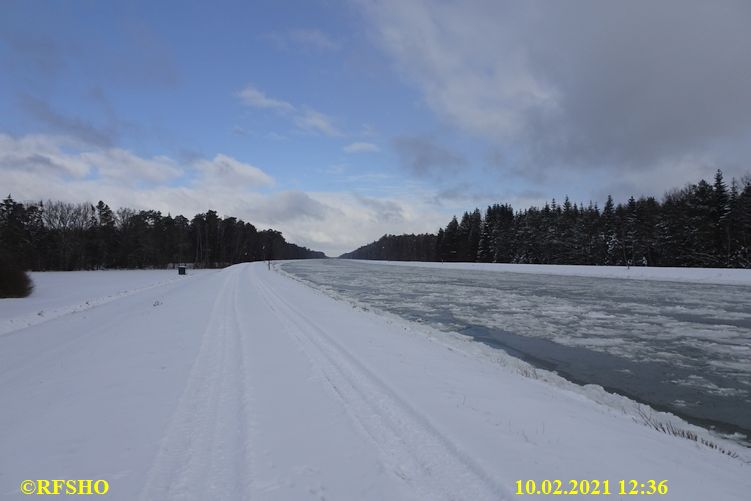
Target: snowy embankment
(244, 384)
(60, 293)
(720, 276)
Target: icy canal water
(681, 347)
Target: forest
(701, 225)
(58, 235)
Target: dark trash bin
(181, 270)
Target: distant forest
(703, 224)
(67, 236)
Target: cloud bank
(582, 85)
(81, 172)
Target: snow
(60, 293)
(722, 276)
(245, 384)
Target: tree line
(58, 235)
(703, 224)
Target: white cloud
(43, 155)
(314, 121)
(123, 166)
(466, 58)
(306, 119)
(225, 170)
(361, 148)
(252, 96)
(62, 156)
(43, 161)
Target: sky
(337, 121)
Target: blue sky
(337, 121)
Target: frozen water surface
(681, 347)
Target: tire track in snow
(430, 464)
(204, 453)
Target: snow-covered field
(245, 384)
(60, 293)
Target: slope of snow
(244, 384)
(61, 293)
(722, 276)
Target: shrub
(14, 282)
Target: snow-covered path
(253, 421)
(244, 384)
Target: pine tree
(104, 247)
(463, 251)
(721, 216)
(473, 238)
(449, 241)
(484, 252)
